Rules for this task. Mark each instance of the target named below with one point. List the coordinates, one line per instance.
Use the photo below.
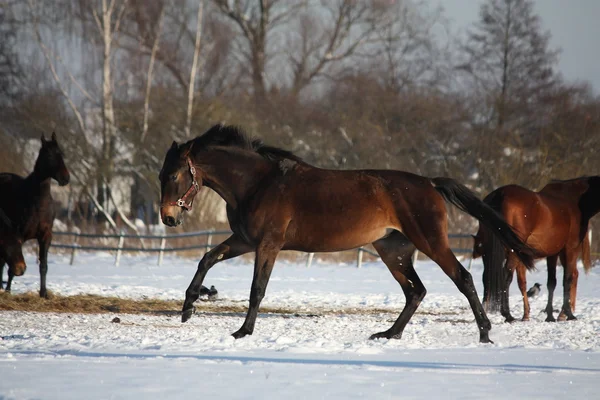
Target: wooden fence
(75, 246)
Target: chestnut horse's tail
(586, 253)
(463, 198)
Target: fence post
(309, 260)
(119, 249)
(74, 249)
(161, 253)
(208, 242)
(359, 257)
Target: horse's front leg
(266, 253)
(44, 244)
(232, 247)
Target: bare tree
(256, 20)
(331, 32)
(508, 56)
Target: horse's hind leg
(396, 252)
(511, 265)
(569, 261)
(551, 284)
(522, 281)
(464, 282)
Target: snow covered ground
(321, 351)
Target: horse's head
(11, 251)
(50, 161)
(180, 181)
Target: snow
(319, 350)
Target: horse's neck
(233, 175)
(36, 184)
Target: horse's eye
(173, 177)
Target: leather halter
(191, 192)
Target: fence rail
(206, 246)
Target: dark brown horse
(275, 202)
(554, 222)
(28, 211)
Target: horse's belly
(332, 237)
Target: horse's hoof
(525, 319)
(484, 338)
(572, 318)
(510, 319)
(187, 314)
(385, 335)
(44, 295)
(240, 334)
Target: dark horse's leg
(396, 252)
(2, 263)
(569, 261)
(266, 253)
(551, 284)
(232, 247)
(511, 264)
(44, 243)
(11, 275)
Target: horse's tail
(494, 272)
(586, 253)
(467, 201)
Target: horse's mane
(234, 136)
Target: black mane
(233, 136)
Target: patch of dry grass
(93, 304)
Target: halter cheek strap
(187, 199)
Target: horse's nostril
(170, 221)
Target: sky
(573, 25)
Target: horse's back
(534, 215)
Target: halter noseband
(191, 192)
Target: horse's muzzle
(171, 216)
(19, 268)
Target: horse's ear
(54, 136)
(43, 139)
(174, 145)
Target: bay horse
(276, 201)
(554, 222)
(28, 211)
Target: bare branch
(193, 70)
(150, 73)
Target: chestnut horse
(28, 211)
(554, 222)
(276, 201)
